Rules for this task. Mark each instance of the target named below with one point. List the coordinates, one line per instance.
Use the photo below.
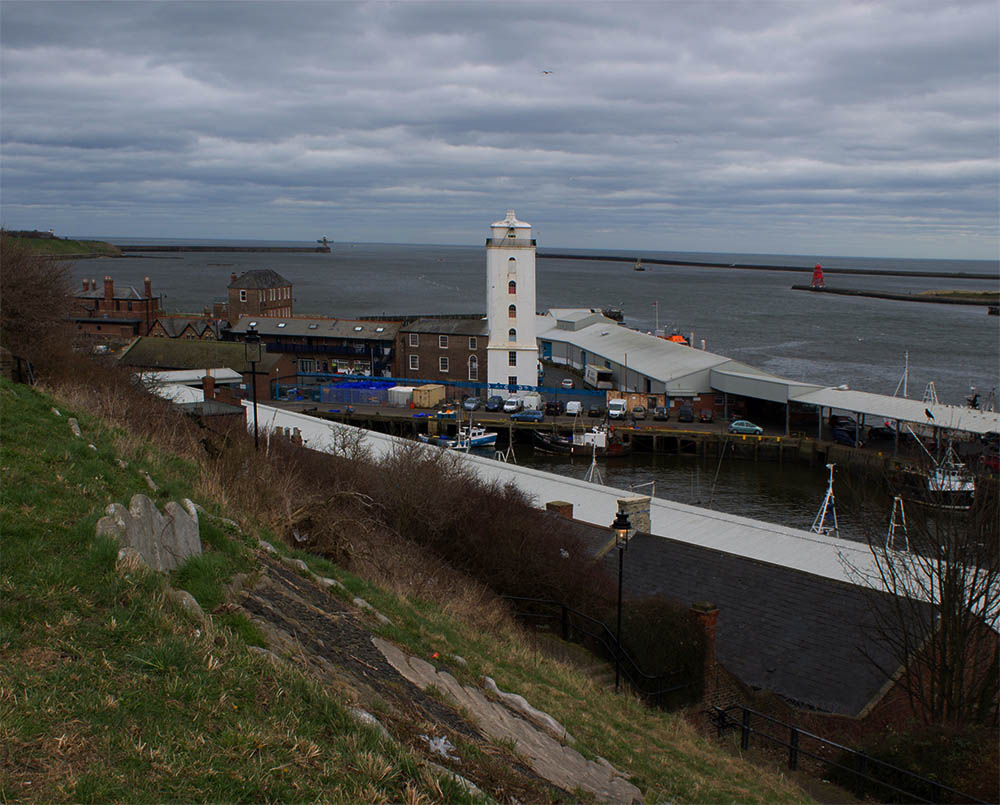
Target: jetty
(254, 249)
(936, 299)
(876, 272)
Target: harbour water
(751, 316)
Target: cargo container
(428, 396)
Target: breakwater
(877, 272)
(903, 297)
(269, 249)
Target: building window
(512, 312)
(511, 266)
(414, 339)
(443, 341)
(512, 334)
(243, 296)
(473, 367)
(443, 364)
(415, 362)
(512, 287)
(512, 359)
(511, 380)
(307, 365)
(473, 343)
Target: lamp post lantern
(623, 532)
(252, 348)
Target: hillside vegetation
(111, 691)
(63, 247)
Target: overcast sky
(808, 127)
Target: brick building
(187, 328)
(259, 293)
(121, 313)
(442, 349)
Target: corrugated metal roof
(914, 411)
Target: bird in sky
(546, 72)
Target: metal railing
(660, 690)
(871, 775)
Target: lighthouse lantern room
(512, 352)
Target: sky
(806, 127)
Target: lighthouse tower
(512, 352)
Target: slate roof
(180, 353)
(458, 326)
(799, 635)
(319, 328)
(259, 278)
(120, 292)
(174, 327)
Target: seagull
(546, 72)
(929, 414)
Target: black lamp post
(252, 347)
(623, 532)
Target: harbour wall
(878, 272)
(269, 249)
(904, 297)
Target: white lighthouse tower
(512, 352)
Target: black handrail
(867, 765)
(651, 687)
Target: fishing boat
(468, 438)
(947, 484)
(599, 441)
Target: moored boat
(599, 442)
(467, 438)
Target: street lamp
(252, 346)
(623, 532)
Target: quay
(902, 297)
(263, 249)
(877, 272)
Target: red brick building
(121, 313)
(187, 328)
(442, 349)
(259, 293)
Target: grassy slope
(61, 247)
(109, 692)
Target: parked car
(595, 411)
(527, 416)
(685, 414)
(494, 403)
(842, 422)
(846, 436)
(617, 409)
(574, 408)
(513, 405)
(661, 413)
(567, 383)
(639, 412)
(472, 403)
(744, 426)
(880, 433)
(706, 415)
(554, 407)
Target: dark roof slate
(259, 278)
(457, 326)
(150, 352)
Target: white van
(617, 409)
(574, 408)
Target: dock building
(443, 348)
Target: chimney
(86, 285)
(706, 615)
(560, 507)
(232, 278)
(109, 289)
(149, 288)
(637, 509)
(208, 385)
(93, 284)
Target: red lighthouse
(818, 277)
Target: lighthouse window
(512, 334)
(512, 266)
(512, 287)
(512, 312)
(512, 359)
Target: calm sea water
(751, 316)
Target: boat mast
(828, 507)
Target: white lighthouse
(512, 352)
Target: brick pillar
(560, 507)
(707, 615)
(637, 509)
(109, 289)
(208, 386)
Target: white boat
(949, 485)
(467, 438)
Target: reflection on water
(788, 494)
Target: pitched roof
(319, 328)
(448, 326)
(174, 327)
(259, 278)
(180, 353)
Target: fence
(870, 774)
(665, 691)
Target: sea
(752, 316)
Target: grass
(62, 247)
(109, 691)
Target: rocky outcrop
(164, 540)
